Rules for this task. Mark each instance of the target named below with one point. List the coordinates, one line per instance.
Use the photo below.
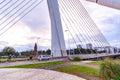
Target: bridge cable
(22, 16)
(92, 22)
(5, 4)
(90, 28)
(70, 22)
(62, 11)
(2, 1)
(75, 20)
(14, 13)
(93, 25)
(101, 36)
(9, 7)
(86, 27)
(74, 30)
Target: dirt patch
(54, 67)
(85, 64)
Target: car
(43, 57)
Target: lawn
(13, 59)
(81, 71)
(37, 65)
(96, 62)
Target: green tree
(48, 51)
(9, 51)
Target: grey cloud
(38, 18)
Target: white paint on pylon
(58, 48)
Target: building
(71, 51)
(89, 46)
(107, 49)
(110, 49)
(99, 48)
(79, 46)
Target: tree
(9, 51)
(48, 51)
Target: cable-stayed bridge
(71, 14)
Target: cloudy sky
(25, 33)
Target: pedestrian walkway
(26, 62)
(35, 74)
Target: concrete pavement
(35, 74)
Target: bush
(30, 58)
(110, 69)
(77, 59)
(117, 78)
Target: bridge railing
(90, 56)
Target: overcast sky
(23, 35)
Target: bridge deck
(88, 56)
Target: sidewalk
(26, 62)
(35, 74)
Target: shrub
(77, 59)
(117, 78)
(110, 69)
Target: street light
(37, 39)
(68, 42)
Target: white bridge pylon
(77, 19)
(58, 48)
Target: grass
(96, 62)
(81, 71)
(13, 59)
(3, 60)
(110, 69)
(37, 65)
(76, 59)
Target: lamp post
(68, 42)
(37, 39)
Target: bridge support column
(58, 48)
